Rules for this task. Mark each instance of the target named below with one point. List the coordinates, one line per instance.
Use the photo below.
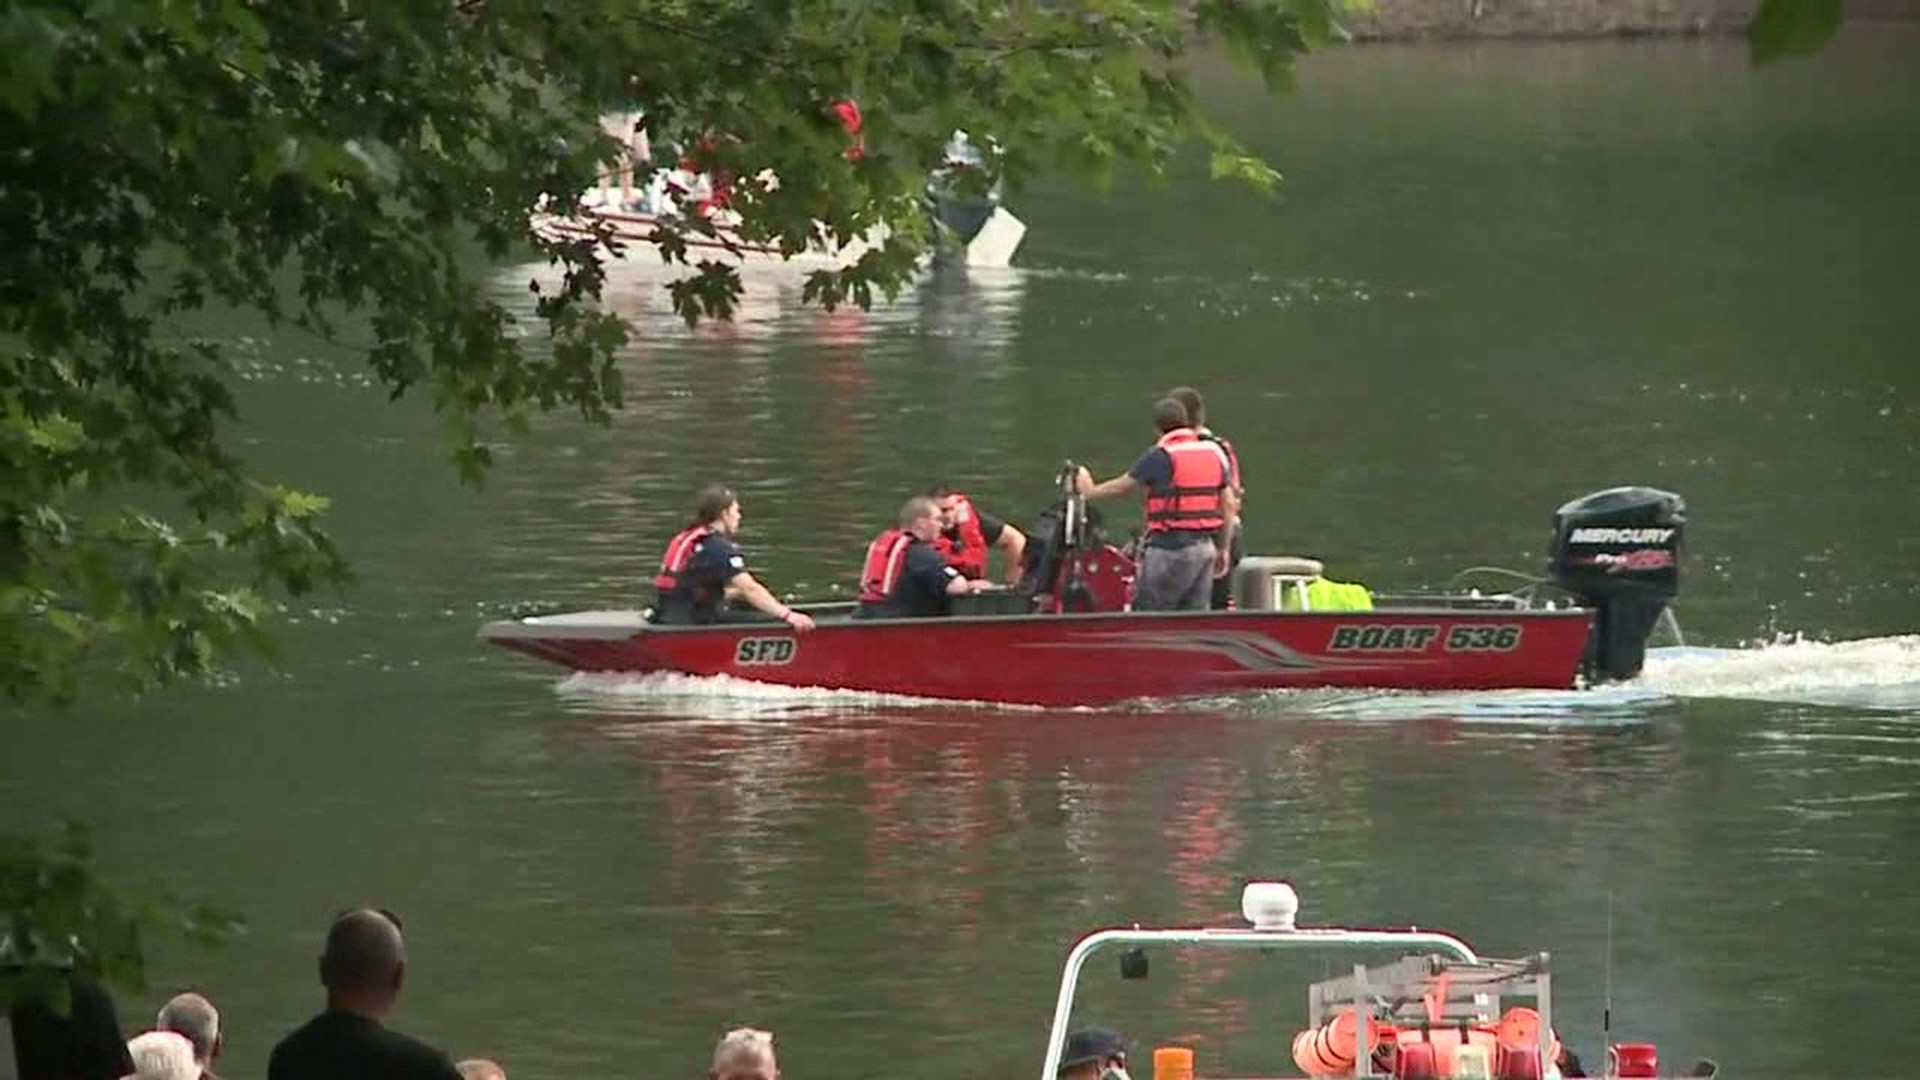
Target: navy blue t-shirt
(701, 593)
(921, 589)
(1153, 470)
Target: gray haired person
(194, 1017)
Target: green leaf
(1788, 28)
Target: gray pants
(1175, 579)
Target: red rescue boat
(1068, 637)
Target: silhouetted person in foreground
(85, 1044)
(363, 967)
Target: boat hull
(632, 238)
(1092, 659)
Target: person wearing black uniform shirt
(703, 572)
(968, 535)
(905, 576)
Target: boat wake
(1881, 673)
(1870, 673)
(722, 697)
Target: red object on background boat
(1416, 1061)
(1633, 1060)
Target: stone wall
(1418, 19)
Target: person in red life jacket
(1236, 546)
(968, 536)
(849, 114)
(700, 163)
(904, 577)
(703, 573)
(1191, 511)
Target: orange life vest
(679, 553)
(968, 553)
(886, 562)
(1192, 500)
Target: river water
(1499, 277)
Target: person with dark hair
(1191, 512)
(362, 967)
(83, 1044)
(1236, 546)
(968, 536)
(903, 576)
(703, 572)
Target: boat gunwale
(519, 627)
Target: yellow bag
(1325, 595)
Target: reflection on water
(975, 835)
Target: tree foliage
(335, 165)
(1787, 28)
(55, 915)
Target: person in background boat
(702, 572)
(194, 1018)
(616, 189)
(1236, 547)
(848, 111)
(744, 1054)
(904, 576)
(968, 536)
(1191, 511)
(481, 1069)
(1093, 1054)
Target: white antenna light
(1269, 905)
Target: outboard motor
(1618, 550)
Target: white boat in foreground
(1440, 1011)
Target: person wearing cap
(1093, 1054)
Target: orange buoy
(1172, 1063)
(1332, 1048)
(1520, 1026)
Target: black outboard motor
(1618, 550)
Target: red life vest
(679, 553)
(886, 561)
(1192, 500)
(968, 553)
(849, 113)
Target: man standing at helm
(1191, 512)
